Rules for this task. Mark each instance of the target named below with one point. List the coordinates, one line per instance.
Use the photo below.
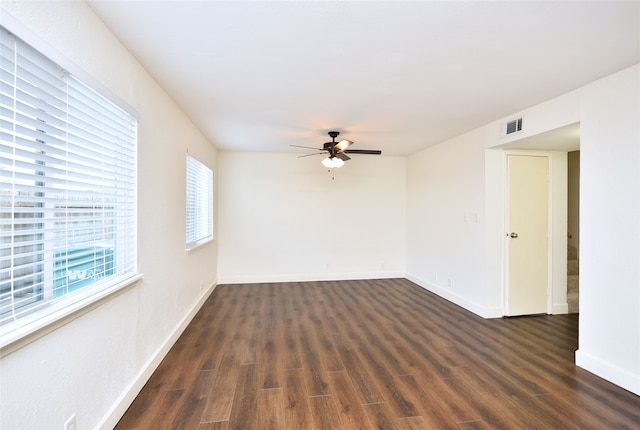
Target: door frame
(505, 293)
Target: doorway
(555, 144)
(573, 231)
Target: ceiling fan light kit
(337, 151)
(331, 162)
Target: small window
(67, 187)
(199, 203)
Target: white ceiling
(391, 75)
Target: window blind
(199, 203)
(67, 183)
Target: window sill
(196, 245)
(30, 331)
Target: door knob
(514, 235)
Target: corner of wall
(482, 311)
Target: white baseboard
(307, 277)
(560, 308)
(479, 310)
(621, 377)
(121, 405)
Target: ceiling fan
(337, 151)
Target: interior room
(452, 94)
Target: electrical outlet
(70, 424)
(449, 282)
(201, 285)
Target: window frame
(198, 230)
(58, 312)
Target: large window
(199, 203)
(67, 183)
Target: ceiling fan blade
(343, 156)
(307, 147)
(342, 145)
(309, 155)
(363, 151)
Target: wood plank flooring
(375, 354)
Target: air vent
(513, 127)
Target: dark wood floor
(382, 354)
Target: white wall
(610, 229)
(445, 220)
(455, 215)
(93, 365)
(609, 115)
(538, 120)
(442, 184)
(285, 218)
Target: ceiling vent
(512, 127)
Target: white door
(528, 235)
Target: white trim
(199, 244)
(120, 406)
(27, 333)
(482, 311)
(461, 301)
(621, 377)
(307, 277)
(560, 308)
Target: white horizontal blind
(199, 203)
(67, 183)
